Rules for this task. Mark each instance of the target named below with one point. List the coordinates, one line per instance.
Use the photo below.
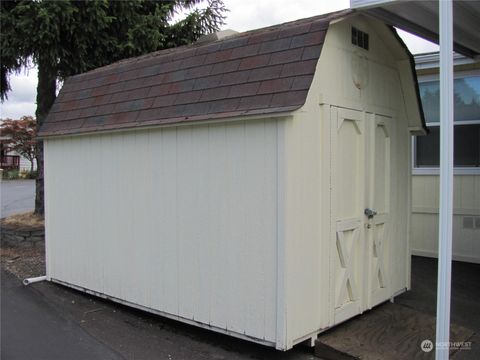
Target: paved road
(48, 321)
(16, 196)
(32, 329)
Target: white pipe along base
(29, 281)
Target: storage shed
(257, 185)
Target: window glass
(466, 101)
(466, 152)
(427, 149)
(467, 98)
(466, 147)
(429, 92)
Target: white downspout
(446, 180)
(29, 281)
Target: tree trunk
(46, 93)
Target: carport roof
(258, 72)
(421, 18)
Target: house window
(466, 151)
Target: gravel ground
(23, 261)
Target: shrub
(25, 174)
(11, 174)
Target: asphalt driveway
(49, 321)
(32, 329)
(16, 196)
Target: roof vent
(219, 35)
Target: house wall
(310, 242)
(25, 164)
(182, 220)
(466, 195)
(466, 217)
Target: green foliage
(11, 174)
(15, 174)
(76, 36)
(66, 37)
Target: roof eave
(285, 114)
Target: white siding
(25, 164)
(466, 197)
(181, 220)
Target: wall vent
(468, 222)
(360, 38)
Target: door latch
(370, 213)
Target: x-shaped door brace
(344, 255)
(378, 267)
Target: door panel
(348, 157)
(378, 234)
(360, 164)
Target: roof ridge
(135, 59)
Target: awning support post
(446, 180)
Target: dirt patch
(23, 262)
(25, 220)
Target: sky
(243, 15)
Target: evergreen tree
(64, 38)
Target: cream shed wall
(181, 220)
(243, 207)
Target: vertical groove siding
(466, 197)
(182, 220)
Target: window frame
(435, 170)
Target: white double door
(361, 159)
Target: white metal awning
(421, 18)
(455, 25)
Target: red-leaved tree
(20, 137)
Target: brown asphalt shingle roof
(258, 72)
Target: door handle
(370, 213)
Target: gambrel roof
(258, 72)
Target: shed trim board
(236, 218)
(281, 328)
